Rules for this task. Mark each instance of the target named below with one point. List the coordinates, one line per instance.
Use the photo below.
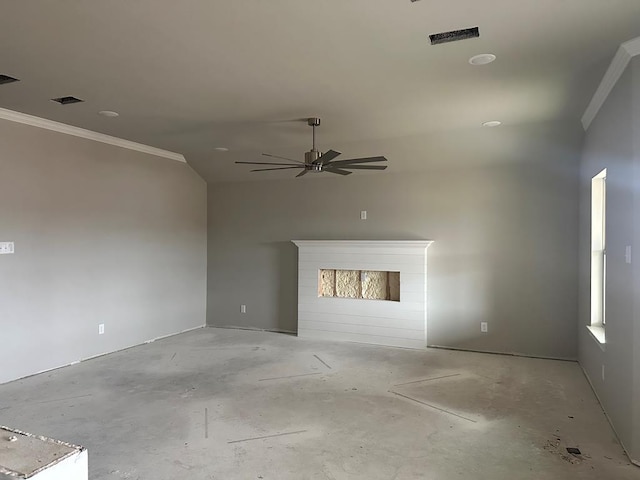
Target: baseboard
(75, 362)
(253, 329)
(507, 354)
(143, 343)
(626, 452)
(171, 335)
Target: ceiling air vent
(67, 100)
(456, 35)
(7, 79)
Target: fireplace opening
(365, 284)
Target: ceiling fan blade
(303, 172)
(327, 157)
(282, 158)
(337, 170)
(266, 169)
(269, 163)
(364, 167)
(359, 160)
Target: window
(598, 255)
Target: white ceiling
(192, 75)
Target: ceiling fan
(315, 161)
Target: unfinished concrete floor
(231, 404)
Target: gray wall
(505, 232)
(609, 144)
(102, 235)
(635, 445)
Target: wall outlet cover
(6, 248)
(484, 327)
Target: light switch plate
(363, 215)
(6, 248)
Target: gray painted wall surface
(505, 232)
(635, 445)
(102, 235)
(609, 144)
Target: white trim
(400, 323)
(632, 46)
(506, 354)
(103, 354)
(620, 61)
(253, 329)
(127, 348)
(606, 414)
(364, 243)
(598, 334)
(19, 117)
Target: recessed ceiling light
(482, 59)
(221, 149)
(108, 113)
(492, 123)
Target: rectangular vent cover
(7, 79)
(454, 36)
(67, 100)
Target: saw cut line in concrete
(323, 362)
(290, 376)
(267, 436)
(427, 380)
(434, 407)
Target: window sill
(597, 332)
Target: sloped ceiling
(193, 75)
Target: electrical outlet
(101, 329)
(243, 309)
(484, 327)
(363, 215)
(6, 248)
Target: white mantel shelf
(400, 324)
(395, 244)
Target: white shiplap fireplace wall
(399, 324)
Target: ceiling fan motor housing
(311, 156)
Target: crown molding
(619, 64)
(19, 117)
(363, 243)
(632, 46)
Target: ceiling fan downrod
(313, 154)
